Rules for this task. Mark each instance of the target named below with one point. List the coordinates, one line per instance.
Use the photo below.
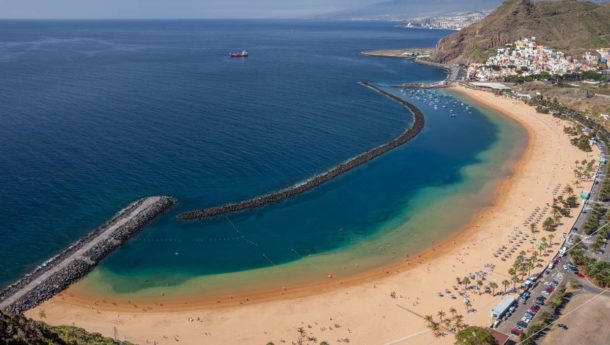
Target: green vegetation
(18, 330)
(598, 271)
(557, 78)
(474, 336)
(594, 220)
(453, 322)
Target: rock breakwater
(328, 175)
(78, 259)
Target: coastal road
(79, 255)
(557, 273)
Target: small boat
(243, 54)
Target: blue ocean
(96, 114)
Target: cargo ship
(243, 54)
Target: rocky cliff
(563, 24)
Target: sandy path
(365, 313)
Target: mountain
(563, 24)
(16, 329)
(405, 9)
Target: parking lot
(531, 303)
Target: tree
(466, 281)
(506, 283)
(548, 224)
(480, 284)
(568, 190)
(458, 322)
(493, 287)
(441, 315)
(534, 257)
(551, 237)
(453, 312)
(436, 329)
(515, 280)
(429, 319)
(530, 265)
(572, 201)
(474, 335)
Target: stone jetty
(78, 259)
(283, 194)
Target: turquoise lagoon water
(98, 114)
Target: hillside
(18, 330)
(563, 24)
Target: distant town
(454, 21)
(526, 58)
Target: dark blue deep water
(97, 114)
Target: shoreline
(412, 278)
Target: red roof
(501, 338)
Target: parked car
(534, 310)
(524, 296)
(522, 324)
(545, 293)
(540, 300)
(580, 275)
(550, 289)
(516, 331)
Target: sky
(90, 9)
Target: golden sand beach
(384, 306)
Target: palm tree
(556, 215)
(458, 323)
(506, 283)
(515, 280)
(534, 257)
(493, 287)
(441, 315)
(466, 281)
(551, 237)
(447, 323)
(530, 266)
(453, 312)
(429, 319)
(568, 190)
(436, 330)
(480, 284)
(512, 271)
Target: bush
(474, 335)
